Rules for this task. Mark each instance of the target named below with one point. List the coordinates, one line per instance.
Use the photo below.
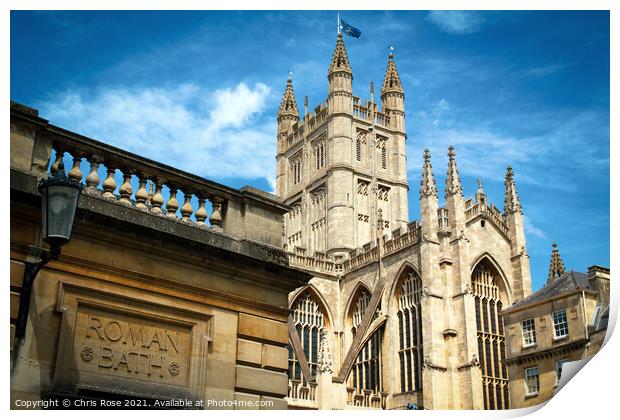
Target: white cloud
(216, 134)
(543, 71)
(531, 229)
(456, 21)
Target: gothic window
(491, 339)
(296, 170)
(360, 141)
(383, 193)
(366, 373)
(358, 309)
(382, 151)
(309, 322)
(362, 187)
(410, 332)
(319, 155)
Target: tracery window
(360, 140)
(410, 333)
(491, 339)
(296, 170)
(309, 323)
(319, 155)
(362, 187)
(383, 193)
(382, 150)
(366, 373)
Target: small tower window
(319, 155)
(384, 157)
(296, 170)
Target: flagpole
(338, 23)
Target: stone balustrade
(358, 258)
(127, 179)
(400, 241)
(363, 113)
(366, 398)
(301, 394)
(489, 212)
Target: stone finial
(480, 194)
(512, 204)
(288, 105)
(556, 265)
(428, 186)
(391, 81)
(305, 105)
(372, 92)
(324, 362)
(340, 59)
(453, 182)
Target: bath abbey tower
(397, 313)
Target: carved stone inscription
(137, 348)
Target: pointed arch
(406, 298)
(309, 319)
(360, 287)
(405, 266)
(505, 285)
(310, 288)
(490, 293)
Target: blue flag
(350, 30)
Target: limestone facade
(410, 310)
(146, 303)
(564, 321)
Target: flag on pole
(349, 30)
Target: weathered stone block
(261, 381)
(263, 329)
(274, 357)
(249, 351)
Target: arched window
(491, 340)
(366, 373)
(359, 307)
(410, 332)
(309, 322)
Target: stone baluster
(157, 200)
(201, 213)
(125, 189)
(109, 184)
(142, 194)
(75, 174)
(92, 179)
(172, 205)
(216, 215)
(186, 209)
(56, 164)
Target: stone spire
(511, 198)
(391, 82)
(288, 105)
(305, 106)
(340, 60)
(453, 182)
(481, 196)
(428, 186)
(556, 266)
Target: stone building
(397, 313)
(177, 286)
(146, 301)
(565, 320)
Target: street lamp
(59, 199)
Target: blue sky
(200, 91)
